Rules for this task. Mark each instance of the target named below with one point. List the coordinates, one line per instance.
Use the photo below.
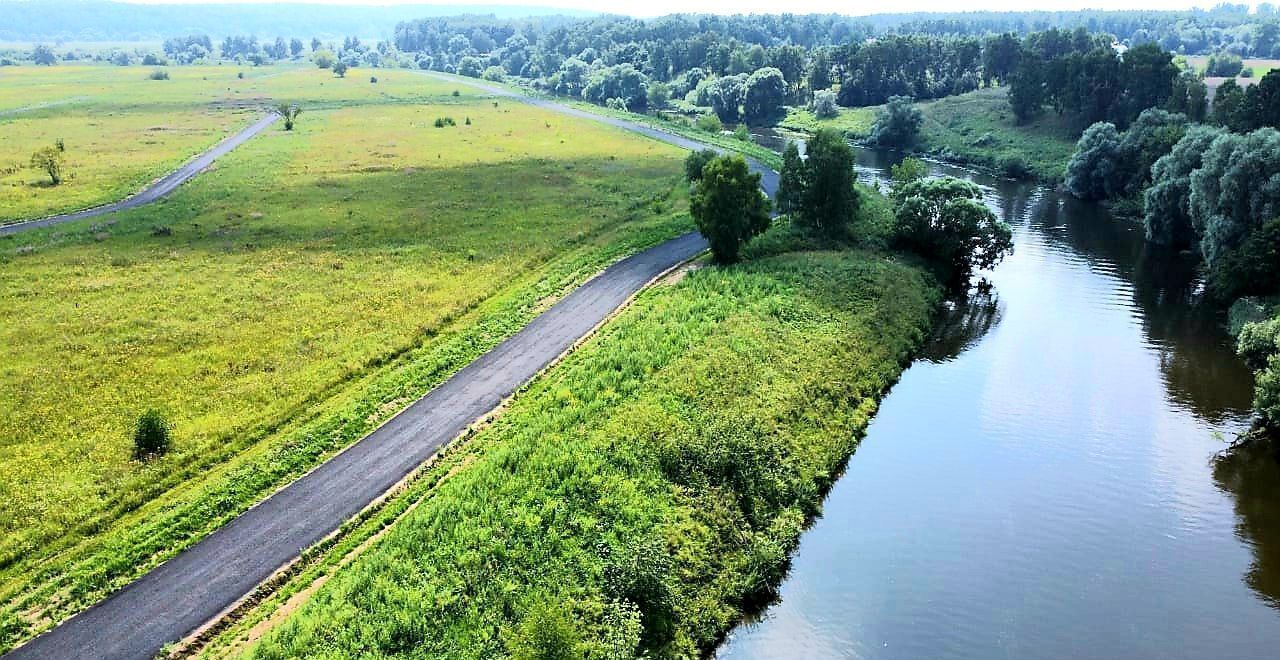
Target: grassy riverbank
(643, 494)
(278, 308)
(978, 128)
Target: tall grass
(645, 493)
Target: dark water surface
(1042, 484)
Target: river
(1041, 483)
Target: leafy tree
(897, 123)
(340, 69)
(1228, 106)
(728, 207)
(1167, 202)
(828, 200)
(790, 180)
(1253, 268)
(494, 74)
(290, 113)
(1026, 88)
(470, 67)
(1093, 168)
(296, 47)
(1224, 65)
(1235, 189)
(622, 82)
(945, 220)
(820, 71)
(724, 95)
(152, 436)
(43, 55)
(824, 104)
(909, 171)
(1259, 344)
(1261, 107)
(1000, 57)
(1152, 135)
(695, 161)
(658, 95)
(323, 59)
(709, 123)
(764, 94)
(50, 160)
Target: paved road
(178, 596)
(156, 190)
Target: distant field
(979, 128)
(122, 130)
(1260, 67)
(279, 307)
(644, 492)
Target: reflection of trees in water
(1197, 359)
(962, 322)
(1251, 474)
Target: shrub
(50, 160)
(947, 221)
(373, 79)
(340, 69)
(1013, 167)
(495, 74)
(151, 436)
(709, 123)
(441, 122)
(159, 74)
(545, 633)
(897, 123)
(728, 207)
(824, 105)
(742, 133)
(323, 59)
(240, 75)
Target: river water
(1042, 482)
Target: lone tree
(151, 436)
(43, 55)
(945, 220)
(340, 68)
(897, 123)
(729, 207)
(819, 189)
(289, 113)
(50, 160)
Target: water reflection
(1039, 484)
(1252, 475)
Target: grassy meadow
(979, 128)
(853, 122)
(1258, 67)
(280, 306)
(122, 130)
(645, 493)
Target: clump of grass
(152, 436)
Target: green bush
(441, 122)
(709, 123)
(695, 161)
(159, 74)
(152, 436)
(545, 633)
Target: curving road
(189, 590)
(155, 191)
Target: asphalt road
(192, 588)
(155, 191)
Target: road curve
(175, 598)
(160, 188)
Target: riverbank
(644, 493)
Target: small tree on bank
(340, 69)
(50, 160)
(790, 180)
(897, 123)
(945, 220)
(819, 190)
(151, 435)
(289, 113)
(729, 207)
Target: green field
(122, 130)
(978, 128)
(280, 306)
(853, 122)
(647, 490)
(1259, 67)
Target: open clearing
(279, 307)
(122, 129)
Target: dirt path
(151, 193)
(189, 590)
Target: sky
(849, 7)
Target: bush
(323, 59)
(742, 133)
(545, 633)
(340, 69)
(159, 75)
(695, 161)
(495, 74)
(151, 436)
(946, 220)
(1013, 167)
(897, 123)
(709, 123)
(824, 105)
(728, 207)
(373, 79)
(441, 122)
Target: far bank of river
(1042, 482)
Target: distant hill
(101, 20)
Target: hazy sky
(855, 7)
